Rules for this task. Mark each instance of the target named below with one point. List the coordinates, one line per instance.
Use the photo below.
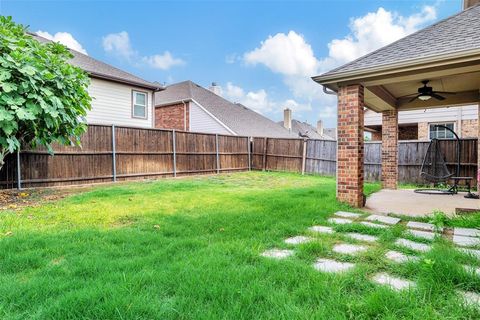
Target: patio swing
(434, 168)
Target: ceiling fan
(426, 93)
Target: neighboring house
(118, 97)
(187, 106)
(420, 124)
(306, 130)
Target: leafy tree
(43, 98)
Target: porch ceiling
(386, 92)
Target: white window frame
(443, 124)
(134, 103)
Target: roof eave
(123, 81)
(406, 65)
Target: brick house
(447, 54)
(420, 124)
(187, 106)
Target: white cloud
(64, 38)
(260, 101)
(163, 61)
(119, 44)
(291, 56)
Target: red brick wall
(408, 133)
(390, 149)
(173, 117)
(350, 145)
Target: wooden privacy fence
(112, 153)
(319, 157)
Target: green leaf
(28, 70)
(8, 87)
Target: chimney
(320, 127)
(469, 3)
(287, 119)
(216, 89)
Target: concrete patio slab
(422, 226)
(399, 257)
(298, 240)
(351, 249)
(416, 246)
(407, 202)
(471, 252)
(332, 266)
(467, 232)
(466, 241)
(473, 270)
(396, 284)
(383, 219)
(345, 214)
(339, 221)
(374, 225)
(277, 253)
(361, 237)
(470, 298)
(422, 234)
(322, 229)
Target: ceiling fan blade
(437, 96)
(413, 99)
(444, 92)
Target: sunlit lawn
(189, 249)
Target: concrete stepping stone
(350, 249)
(470, 298)
(394, 283)
(472, 269)
(332, 266)
(374, 225)
(339, 221)
(466, 232)
(321, 229)
(277, 253)
(361, 237)
(383, 219)
(416, 246)
(345, 214)
(422, 226)
(471, 252)
(298, 240)
(422, 234)
(399, 257)
(466, 241)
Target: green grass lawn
(190, 249)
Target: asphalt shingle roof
(102, 70)
(304, 129)
(454, 34)
(240, 119)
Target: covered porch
(392, 79)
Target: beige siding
(430, 115)
(112, 104)
(201, 121)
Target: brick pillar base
(350, 145)
(390, 149)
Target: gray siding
(201, 121)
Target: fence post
(264, 165)
(304, 155)
(114, 155)
(249, 148)
(19, 171)
(216, 151)
(174, 153)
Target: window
(441, 133)
(139, 104)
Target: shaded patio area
(407, 202)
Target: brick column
(478, 150)
(390, 149)
(350, 145)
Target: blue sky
(261, 53)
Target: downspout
(154, 106)
(184, 115)
(328, 91)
